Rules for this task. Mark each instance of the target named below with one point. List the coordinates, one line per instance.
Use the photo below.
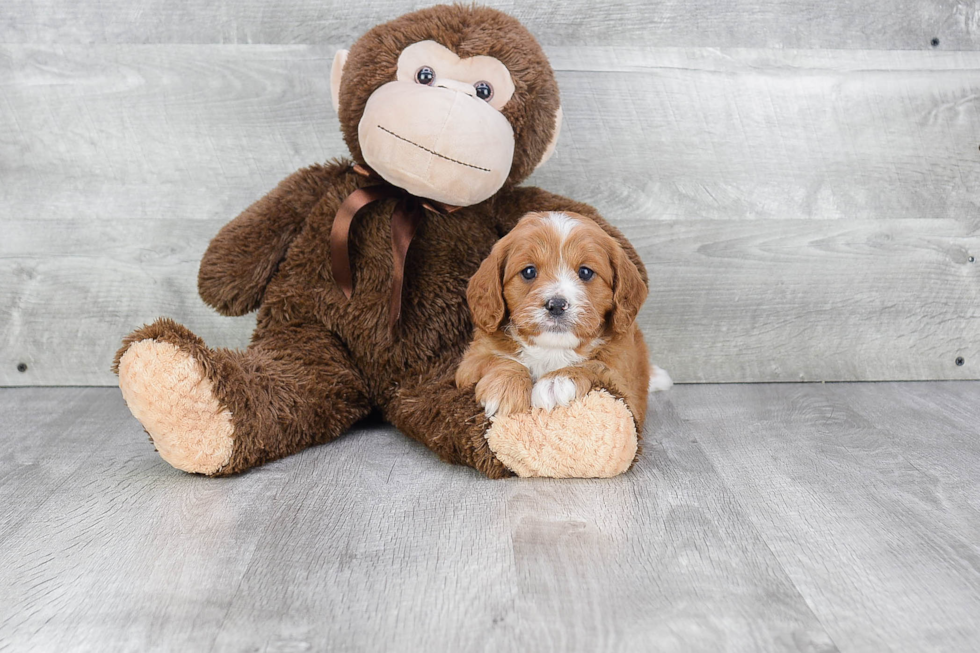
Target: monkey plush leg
(446, 419)
(218, 411)
(591, 437)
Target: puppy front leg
(505, 388)
(561, 387)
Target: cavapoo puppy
(555, 307)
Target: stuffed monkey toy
(358, 269)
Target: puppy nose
(556, 306)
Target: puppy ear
(629, 292)
(485, 292)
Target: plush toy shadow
(445, 111)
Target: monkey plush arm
(243, 257)
(511, 205)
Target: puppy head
(557, 276)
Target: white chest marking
(541, 360)
(550, 352)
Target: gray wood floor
(759, 518)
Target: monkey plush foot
(594, 437)
(166, 389)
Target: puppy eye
(483, 90)
(425, 75)
(585, 274)
(529, 272)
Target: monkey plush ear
(336, 72)
(554, 140)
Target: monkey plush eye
(425, 75)
(529, 272)
(483, 90)
(585, 274)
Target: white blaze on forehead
(566, 285)
(561, 223)
(565, 282)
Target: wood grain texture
(35, 425)
(756, 134)
(793, 300)
(783, 517)
(858, 490)
(896, 25)
(370, 543)
(790, 300)
(201, 131)
(73, 290)
(807, 215)
(158, 131)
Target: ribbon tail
(404, 222)
(340, 230)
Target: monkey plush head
(450, 103)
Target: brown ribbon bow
(405, 219)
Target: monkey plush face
(437, 130)
(450, 103)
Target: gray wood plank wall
(802, 178)
(884, 25)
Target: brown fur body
(318, 362)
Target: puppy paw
(504, 394)
(660, 381)
(553, 391)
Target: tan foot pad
(594, 437)
(166, 390)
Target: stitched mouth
(441, 156)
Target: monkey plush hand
(358, 270)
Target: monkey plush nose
(452, 84)
(556, 306)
